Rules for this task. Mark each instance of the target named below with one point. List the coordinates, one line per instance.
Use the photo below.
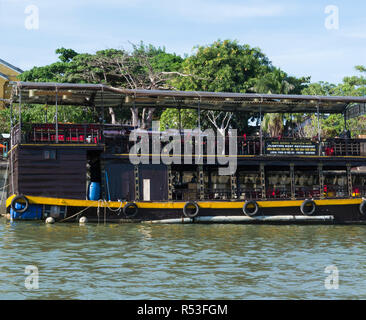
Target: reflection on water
(136, 261)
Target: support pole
(201, 182)
(102, 115)
(11, 126)
(180, 121)
(20, 116)
(170, 183)
(199, 115)
(263, 180)
(260, 132)
(319, 139)
(56, 126)
(137, 183)
(321, 180)
(234, 186)
(199, 133)
(292, 176)
(349, 180)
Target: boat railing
(271, 193)
(250, 193)
(116, 139)
(335, 191)
(307, 192)
(63, 133)
(218, 194)
(185, 194)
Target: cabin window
(278, 184)
(335, 184)
(249, 185)
(49, 154)
(307, 183)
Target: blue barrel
(94, 191)
(34, 212)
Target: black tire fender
(16, 199)
(186, 209)
(362, 207)
(246, 208)
(130, 209)
(305, 204)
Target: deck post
(349, 180)
(234, 186)
(321, 180)
(56, 126)
(201, 182)
(11, 126)
(180, 121)
(263, 180)
(292, 176)
(319, 138)
(170, 183)
(20, 116)
(102, 109)
(137, 183)
(260, 132)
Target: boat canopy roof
(100, 95)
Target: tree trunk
(147, 121)
(113, 116)
(135, 116)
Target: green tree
(145, 67)
(227, 66)
(170, 119)
(332, 125)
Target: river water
(138, 261)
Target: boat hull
(327, 211)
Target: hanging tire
(191, 209)
(308, 207)
(250, 208)
(16, 200)
(362, 207)
(130, 210)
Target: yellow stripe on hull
(180, 205)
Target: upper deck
(115, 139)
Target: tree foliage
(333, 125)
(144, 67)
(223, 66)
(227, 66)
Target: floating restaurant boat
(72, 172)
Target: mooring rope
(74, 215)
(101, 204)
(5, 183)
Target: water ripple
(181, 261)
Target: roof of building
(4, 76)
(101, 95)
(10, 66)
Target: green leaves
(333, 125)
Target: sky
(317, 38)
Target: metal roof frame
(100, 95)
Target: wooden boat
(54, 166)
